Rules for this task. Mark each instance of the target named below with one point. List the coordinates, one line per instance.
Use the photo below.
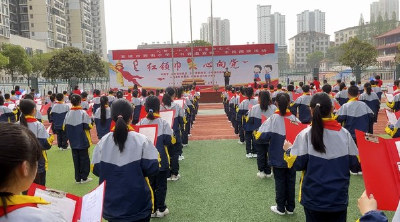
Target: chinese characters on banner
(153, 67)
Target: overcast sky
(131, 22)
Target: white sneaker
(175, 178)
(68, 148)
(169, 179)
(181, 158)
(249, 155)
(159, 214)
(61, 149)
(184, 145)
(275, 210)
(254, 155)
(87, 180)
(78, 182)
(269, 175)
(241, 143)
(261, 175)
(355, 174)
(359, 173)
(190, 134)
(289, 212)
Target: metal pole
(191, 37)
(212, 44)
(172, 43)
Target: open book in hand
(71, 208)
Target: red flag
(44, 109)
(293, 129)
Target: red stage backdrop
(152, 68)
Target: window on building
(30, 7)
(33, 33)
(32, 25)
(31, 16)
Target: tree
(95, 66)
(393, 21)
(333, 54)
(199, 43)
(3, 61)
(379, 25)
(358, 53)
(314, 59)
(39, 62)
(67, 63)
(362, 33)
(18, 60)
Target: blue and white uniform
(303, 103)
(7, 115)
(342, 97)
(102, 128)
(77, 124)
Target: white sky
(131, 22)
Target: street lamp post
(172, 44)
(212, 44)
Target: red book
(296, 96)
(293, 129)
(143, 113)
(337, 105)
(44, 109)
(383, 181)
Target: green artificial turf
(218, 184)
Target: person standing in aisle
(227, 76)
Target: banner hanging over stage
(152, 68)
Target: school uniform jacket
(7, 115)
(38, 129)
(376, 89)
(325, 180)
(102, 129)
(360, 89)
(372, 101)
(233, 106)
(342, 97)
(164, 138)
(254, 119)
(58, 113)
(77, 124)
(276, 93)
(273, 131)
(243, 108)
(25, 208)
(395, 104)
(303, 103)
(374, 216)
(128, 195)
(96, 104)
(179, 119)
(111, 99)
(336, 88)
(355, 115)
(393, 130)
(137, 103)
(85, 104)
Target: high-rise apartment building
(79, 17)
(311, 21)
(99, 28)
(384, 8)
(221, 31)
(39, 20)
(271, 27)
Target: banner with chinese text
(152, 68)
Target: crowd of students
(134, 168)
(326, 152)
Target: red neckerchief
(306, 94)
(156, 115)
(15, 207)
(30, 119)
(332, 124)
(288, 113)
(130, 129)
(76, 108)
(84, 100)
(59, 102)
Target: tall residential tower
(271, 27)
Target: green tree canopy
(95, 66)
(68, 62)
(39, 62)
(358, 53)
(314, 59)
(199, 43)
(333, 54)
(3, 61)
(18, 62)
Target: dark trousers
(356, 168)
(241, 131)
(174, 158)
(40, 178)
(226, 81)
(147, 219)
(62, 139)
(285, 180)
(262, 157)
(159, 185)
(317, 216)
(250, 146)
(81, 164)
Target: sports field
(218, 183)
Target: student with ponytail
(342, 96)
(273, 132)
(77, 124)
(244, 107)
(96, 100)
(324, 152)
(303, 104)
(371, 99)
(84, 103)
(27, 119)
(102, 118)
(18, 164)
(175, 151)
(125, 159)
(164, 138)
(144, 96)
(256, 114)
(137, 104)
